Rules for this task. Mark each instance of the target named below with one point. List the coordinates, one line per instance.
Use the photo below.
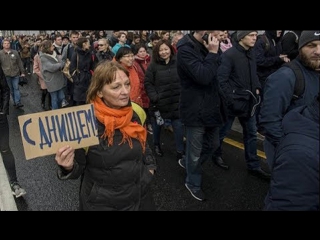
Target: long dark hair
(121, 52)
(155, 51)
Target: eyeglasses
(100, 45)
(129, 56)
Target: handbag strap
(77, 62)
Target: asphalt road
(231, 190)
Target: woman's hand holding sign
(65, 157)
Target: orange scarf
(119, 119)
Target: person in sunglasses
(104, 50)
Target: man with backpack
(269, 58)
(281, 93)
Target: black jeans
(6, 153)
(26, 64)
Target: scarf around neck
(119, 119)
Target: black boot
(158, 150)
(260, 174)
(219, 162)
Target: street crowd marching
(192, 83)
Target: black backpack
(299, 84)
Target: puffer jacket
(113, 177)
(162, 86)
(294, 184)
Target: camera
(205, 37)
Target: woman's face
(116, 94)
(86, 45)
(127, 60)
(142, 52)
(166, 36)
(164, 52)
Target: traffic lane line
(240, 145)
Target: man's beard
(313, 64)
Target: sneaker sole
(181, 165)
(193, 194)
(19, 195)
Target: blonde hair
(104, 73)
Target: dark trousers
(26, 64)
(44, 95)
(148, 120)
(6, 153)
(249, 130)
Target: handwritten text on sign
(44, 133)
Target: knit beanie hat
(241, 33)
(308, 36)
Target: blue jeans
(201, 143)
(56, 98)
(13, 83)
(167, 122)
(177, 131)
(26, 64)
(249, 130)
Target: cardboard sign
(45, 132)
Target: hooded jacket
(294, 184)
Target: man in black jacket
(201, 109)
(279, 95)
(294, 185)
(6, 153)
(237, 76)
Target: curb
(7, 202)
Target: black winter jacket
(268, 60)
(201, 103)
(86, 65)
(237, 75)
(162, 86)
(113, 177)
(4, 94)
(294, 184)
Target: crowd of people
(197, 82)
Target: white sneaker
(64, 103)
(149, 129)
(17, 190)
